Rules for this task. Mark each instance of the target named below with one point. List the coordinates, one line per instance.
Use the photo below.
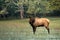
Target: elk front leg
(34, 30)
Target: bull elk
(37, 22)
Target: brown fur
(37, 22)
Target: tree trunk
(21, 11)
(21, 14)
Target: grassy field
(21, 30)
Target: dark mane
(32, 20)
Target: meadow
(20, 29)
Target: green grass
(21, 30)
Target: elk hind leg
(48, 30)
